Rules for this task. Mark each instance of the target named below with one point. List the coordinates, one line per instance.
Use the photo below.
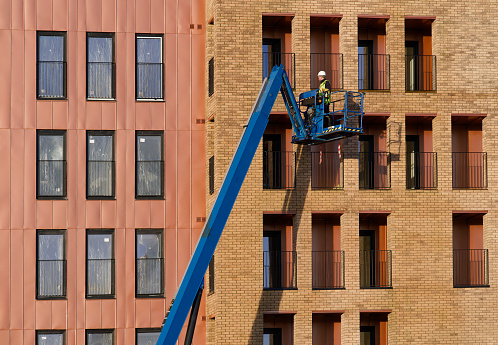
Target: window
(99, 337)
(211, 77)
(51, 164)
(51, 264)
(211, 175)
(149, 165)
(100, 165)
(51, 65)
(272, 336)
(211, 275)
(101, 74)
(149, 67)
(149, 262)
(147, 336)
(51, 337)
(100, 263)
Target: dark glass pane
(100, 147)
(149, 148)
(99, 246)
(50, 247)
(51, 48)
(149, 49)
(99, 49)
(99, 338)
(149, 246)
(149, 338)
(50, 339)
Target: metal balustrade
(375, 170)
(470, 170)
(328, 269)
(276, 59)
(421, 170)
(331, 64)
(279, 270)
(373, 72)
(470, 268)
(375, 269)
(420, 72)
(279, 169)
(327, 170)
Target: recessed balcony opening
(420, 64)
(373, 60)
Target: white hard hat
(322, 74)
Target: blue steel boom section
(308, 127)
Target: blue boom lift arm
(310, 130)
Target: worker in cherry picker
(324, 91)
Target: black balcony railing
(327, 170)
(51, 279)
(373, 72)
(149, 81)
(470, 170)
(279, 169)
(150, 276)
(100, 179)
(276, 59)
(100, 82)
(470, 268)
(331, 64)
(420, 72)
(375, 170)
(279, 269)
(51, 79)
(421, 170)
(100, 277)
(149, 179)
(328, 269)
(51, 180)
(375, 269)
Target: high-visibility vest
(324, 92)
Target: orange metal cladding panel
(5, 78)
(60, 18)
(4, 277)
(80, 272)
(184, 241)
(170, 252)
(71, 148)
(5, 18)
(29, 82)
(44, 17)
(94, 15)
(29, 337)
(60, 214)
(171, 16)
(142, 16)
(476, 234)
(43, 314)
(121, 16)
(198, 12)
(198, 174)
(130, 15)
(109, 214)
(5, 176)
(44, 214)
(157, 213)
(93, 214)
(130, 277)
(81, 178)
(29, 287)
(29, 14)
(108, 15)
(16, 336)
(44, 114)
(120, 47)
(171, 173)
(184, 83)
(109, 115)
(142, 313)
(475, 137)
(198, 82)
(143, 120)
(157, 311)
(17, 179)
(94, 115)
(59, 314)
(171, 76)
(17, 88)
(142, 213)
(157, 113)
(109, 313)
(130, 80)
(184, 180)
(130, 179)
(29, 202)
(71, 278)
(120, 179)
(119, 242)
(93, 313)
(157, 15)
(183, 25)
(80, 81)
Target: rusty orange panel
(5, 176)
(44, 17)
(16, 336)
(130, 80)
(157, 16)
(108, 15)
(93, 313)
(94, 15)
(120, 47)
(171, 75)
(109, 214)
(109, 313)
(142, 213)
(142, 16)
(170, 178)
(17, 179)
(72, 149)
(4, 277)
(183, 24)
(59, 314)
(120, 178)
(16, 279)
(157, 113)
(142, 313)
(183, 83)
(198, 47)
(120, 269)
(29, 80)
(93, 115)
(157, 312)
(59, 15)
(198, 11)
(60, 214)
(71, 278)
(171, 17)
(17, 87)
(130, 179)
(130, 277)
(157, 213)
(198, 182)
(80, 272)
(44, 114)
(143, 118)
(5, 77)
(5, 19)
(60, 114)
(184, 241)
(72, 84)
(170, 255)
(43, 314)
(44, 214)
(109, 115)
(93, 214)
(81, 177)
(80, 81)
(184, 181)
(121, 16)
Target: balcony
(421, 170)
(51, 279)
(100, 80)
(470, 268)
(373, 72)
(279, 270)
(331, 64)
(149, 80)
(327, 170)
(100, 277)
(375, 170)
(51, 79)
(420, 72)
(275, 59)
(470, 170)
(149, 273)
(375, 269)
(279, 169)
(328, 269)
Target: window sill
(51, 298)
(100, 297)
(51, 99)
(100, 197)
(149, 296)
(137, 197)
(101, 99)
(51, 197)
(376, 288)
(471, 286)
(149, 100)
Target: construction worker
(324, 91)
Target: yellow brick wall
(426, 309)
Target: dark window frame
(50, 132)
(277, 333)
(113, 193)
(112, 295)
(152, 134)
(99, 331)
(145, 330)
(211, 174)
(64, 255)
(211, 77)
(161, 233)
(137, 37)
(50, 331)
(64, 61)
(113, 81)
